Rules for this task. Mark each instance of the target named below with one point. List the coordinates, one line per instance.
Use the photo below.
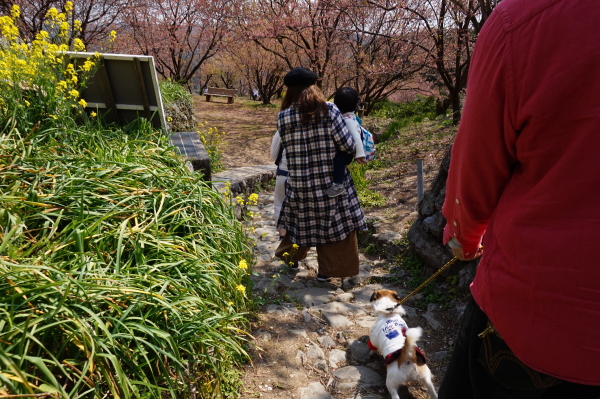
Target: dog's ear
(376, 295)
(396, 297)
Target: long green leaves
(119, 268)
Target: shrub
(178, 106)
(367, 197)
(404, 114)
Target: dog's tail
(412, 336)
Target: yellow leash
(447, 265)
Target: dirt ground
(249, 128)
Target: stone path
(310, 338)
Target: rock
(314, 390)
(302, 357)
(341, 308)
(411, 313)
(359, 351)
(337, 320)
(300, 333)
(321, 365)
(351, 377)
(314, 351)
(312, 296)
(363, 294)
(266, 248)
(366, 321)
(312, 265)
(430, 317)
(307, 316)
(345, 297)
(326, 341)
(262, 335)
(376, 365)
(436, 356)
(336, 356)
(281, 310)
(266, 285)
(361, 278)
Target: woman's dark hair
(346, 99)
(310, 102)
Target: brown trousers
(338, 259)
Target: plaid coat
(310, 217)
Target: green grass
(367, 197)
(119, 268)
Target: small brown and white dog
(398, 344)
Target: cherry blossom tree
(181, 35)
(262, 70)
(304, 33)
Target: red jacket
(525, 170)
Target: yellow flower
(27, 103)
(77, 25)
(87, 65)
(230, 303)
(285, 254)
(68, 6)
(169, 119)
(42, 35)
(82, 103)
(112, 36)
(93, 114)
(74, 93)
(53, 116)
(241, 288)
(52, 13)
(78, 45)
(62, 85)
(295, 246)
(15, 11)
(243, 265)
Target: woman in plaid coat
(311, 129)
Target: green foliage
(213, 142)
(414, 266)
(367, 198)
(422, 106)
(403, 114)
(232, 386)
(172, 92)
(122, 274)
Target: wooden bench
(215, 91)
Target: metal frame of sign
(123, 88)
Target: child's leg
(340, 161)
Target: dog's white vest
(387, 334)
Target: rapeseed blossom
(35, 72)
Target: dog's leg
(393, 388)
(430, 388)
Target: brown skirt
(338, 259)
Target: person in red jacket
(525, 172)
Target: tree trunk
(455, 100)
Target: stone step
(243, 180)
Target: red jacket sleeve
(484, 154)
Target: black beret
(300, 76)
